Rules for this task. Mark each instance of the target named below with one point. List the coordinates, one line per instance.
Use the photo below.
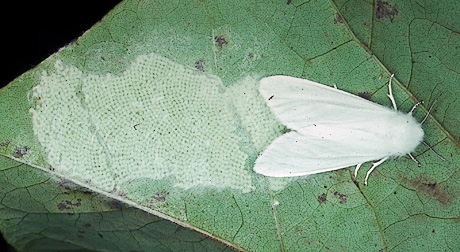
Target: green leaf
(146, 130)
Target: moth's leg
(356, 170)
(390, 95)
(429, 111)
(374, 165)
(416, 104)
(415, 160)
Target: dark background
(33, 30)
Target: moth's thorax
(404, 134)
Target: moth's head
(407, 134)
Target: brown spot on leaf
(338, 19)
(20, 152)
(68, 204)
(86, 192)
(63, 206)
(160, 196)
(199, 65)
(116, 205)
(342, 197)
(365, 95)
(65, 184)
(221, 41)
(5, 144)
(322, 198)
(385, 10)
(440, 192)
(432, 186)
(355, 182)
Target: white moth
(331, 129)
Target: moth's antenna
(424, 119)
(429, 110)
(437, 154)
